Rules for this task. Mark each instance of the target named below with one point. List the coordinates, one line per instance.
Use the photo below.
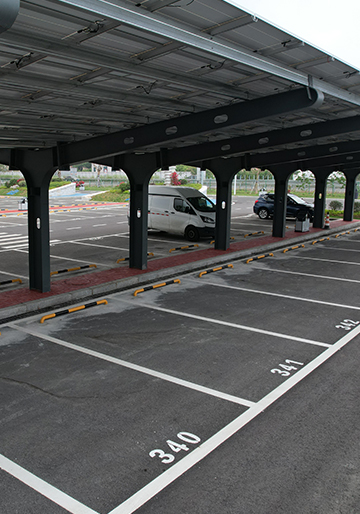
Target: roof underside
(74, 69)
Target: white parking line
(268, 293)
(326, 277)
(229, 324)
(42, 487)
(135, 367)
(74, 228)
(12, 274)
(97, 245)
(336, 248)
(100, 225)
(162, 481)
(328, 260)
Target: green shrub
(183, 181)
(56, 179)
(11, 182)
(124, 186)
(356, 206)
(335, 205)
(21, 183)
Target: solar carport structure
(142, 85)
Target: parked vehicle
(264, 206)
(181, 210)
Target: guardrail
(10, 281)
(260, 257)
(123, 259)
(72, 269)
(148, 288)
(183, 247)
(293, 248)
(75, 309)
(254, 233)
(215, 269)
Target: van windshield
(202, 204)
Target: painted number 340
(167, 458)
(347, 324)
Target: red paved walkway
(21, 294)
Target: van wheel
(192, 233)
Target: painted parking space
(269, 276)
(230, 363)
(253, 311)
(72, 415)
(97, 396)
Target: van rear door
(159, 212)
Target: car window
(269, 198)
(180, 205)
(295, 199)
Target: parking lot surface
(234, 392)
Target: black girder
(342, 150)
(262, 140)
(101, 147)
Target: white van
(181, 210)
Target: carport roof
(74, 69)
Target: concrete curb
(54, 302)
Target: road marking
(98, 245)
(328, 260)
(306, 274)
(341, 249)
(10, 236)
(228, 324)
(135, 367)
(12, 274)
(75, 260)
(170, 475)
(310, 300)
(14, 247)
(74, 228)
(42, 487)
(100, 225)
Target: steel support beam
(39, 238)
(350, 194)
(9, 9)
(280, 202)
(224, 171)
(139, 169)
(262, 140)
(188, 125)
(339, 152)
(37, 172)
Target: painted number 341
(167, 458)
(347, 324)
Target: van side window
(180, 205)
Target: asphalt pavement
(234, 390)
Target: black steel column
(38, 229)
(224, 171)
(279, 221)
(139, 168)
(350, 194)
(223, 214)
(320, 197)
(138, 225)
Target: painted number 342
(347, 324)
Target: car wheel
(192, 233)
(263, 213)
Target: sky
(329, 25)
